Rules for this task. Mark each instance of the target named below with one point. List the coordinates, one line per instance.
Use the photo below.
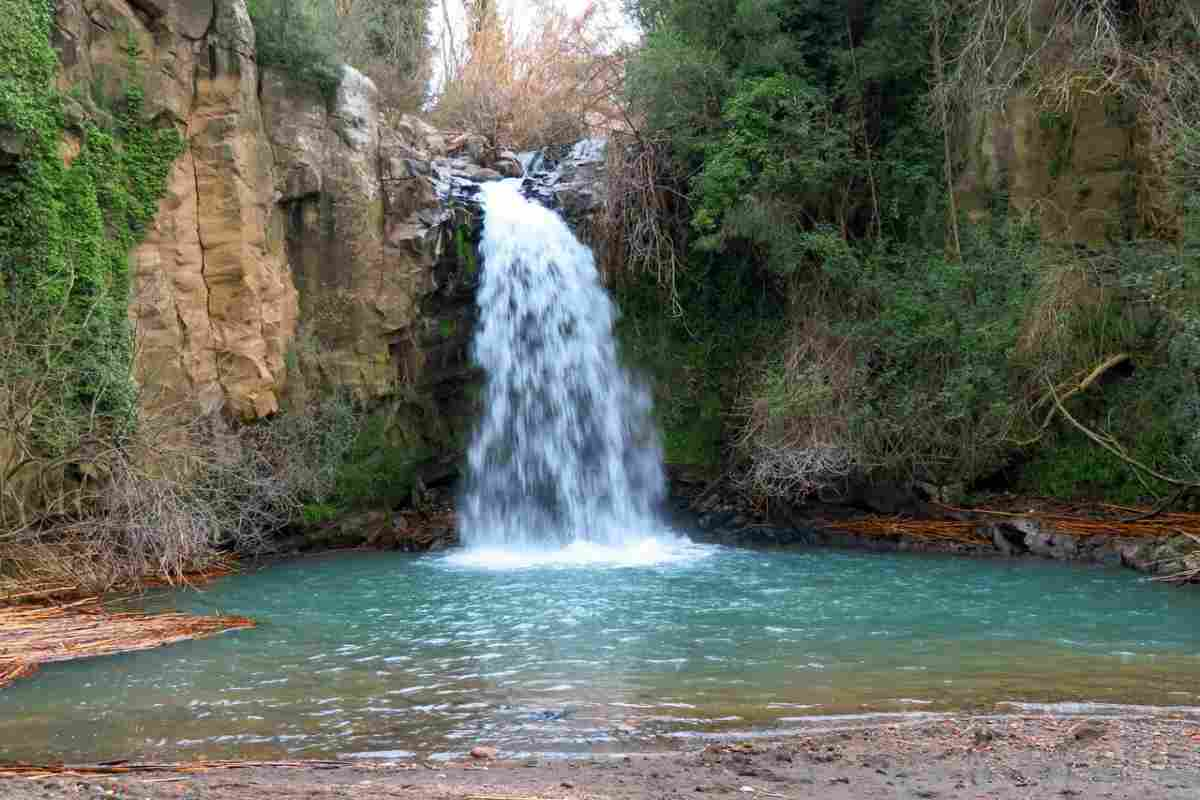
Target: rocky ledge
(1143, 545)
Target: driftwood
(1069, 390)
(1146, 524)
(1192, 571)
(33, 635)
(131, 768)
(48, 592)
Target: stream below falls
(390, 655)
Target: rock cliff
(213, 303)
(307, 242)
(293, 225)
(1083, 160)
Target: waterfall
(566, 454)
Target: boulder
(509, 165)
(470, 146)
(1048, 544)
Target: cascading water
(566, 455)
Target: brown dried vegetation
(525, 86)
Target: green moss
(66, 231)
(381, 467)
(696, 441)
(465, 250)
(1076, 469)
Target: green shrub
(299, 38)
(378, 471)
(696, 363)
(316, 513)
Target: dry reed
(34, 635)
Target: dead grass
(644, 228)
(1064, 291)
(167, 503)
(795, 416)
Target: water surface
(388, 654)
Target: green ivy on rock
(67, 226)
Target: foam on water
(565, 467)
(646, 551)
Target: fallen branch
(1161, 507)
(1093, 376)
(1111, 446)
(128, 768)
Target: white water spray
(565, 466)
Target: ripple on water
(381, 653)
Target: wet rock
(469, 145)
(509, 165)
(573, 181)
(1052, 545)
(1089, 730)
(474, 172)
(982, 735)
(484, 753)
(1010, 536)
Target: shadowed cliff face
(1087, 165)
(1086, 174)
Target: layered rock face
(358, 206)
(1085, 175)
(304, 242)
(214, 305)
(1085, 165)
(292, 225)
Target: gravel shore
(959, 757)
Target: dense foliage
(310, 39)
(817, 146)
(66, 230)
